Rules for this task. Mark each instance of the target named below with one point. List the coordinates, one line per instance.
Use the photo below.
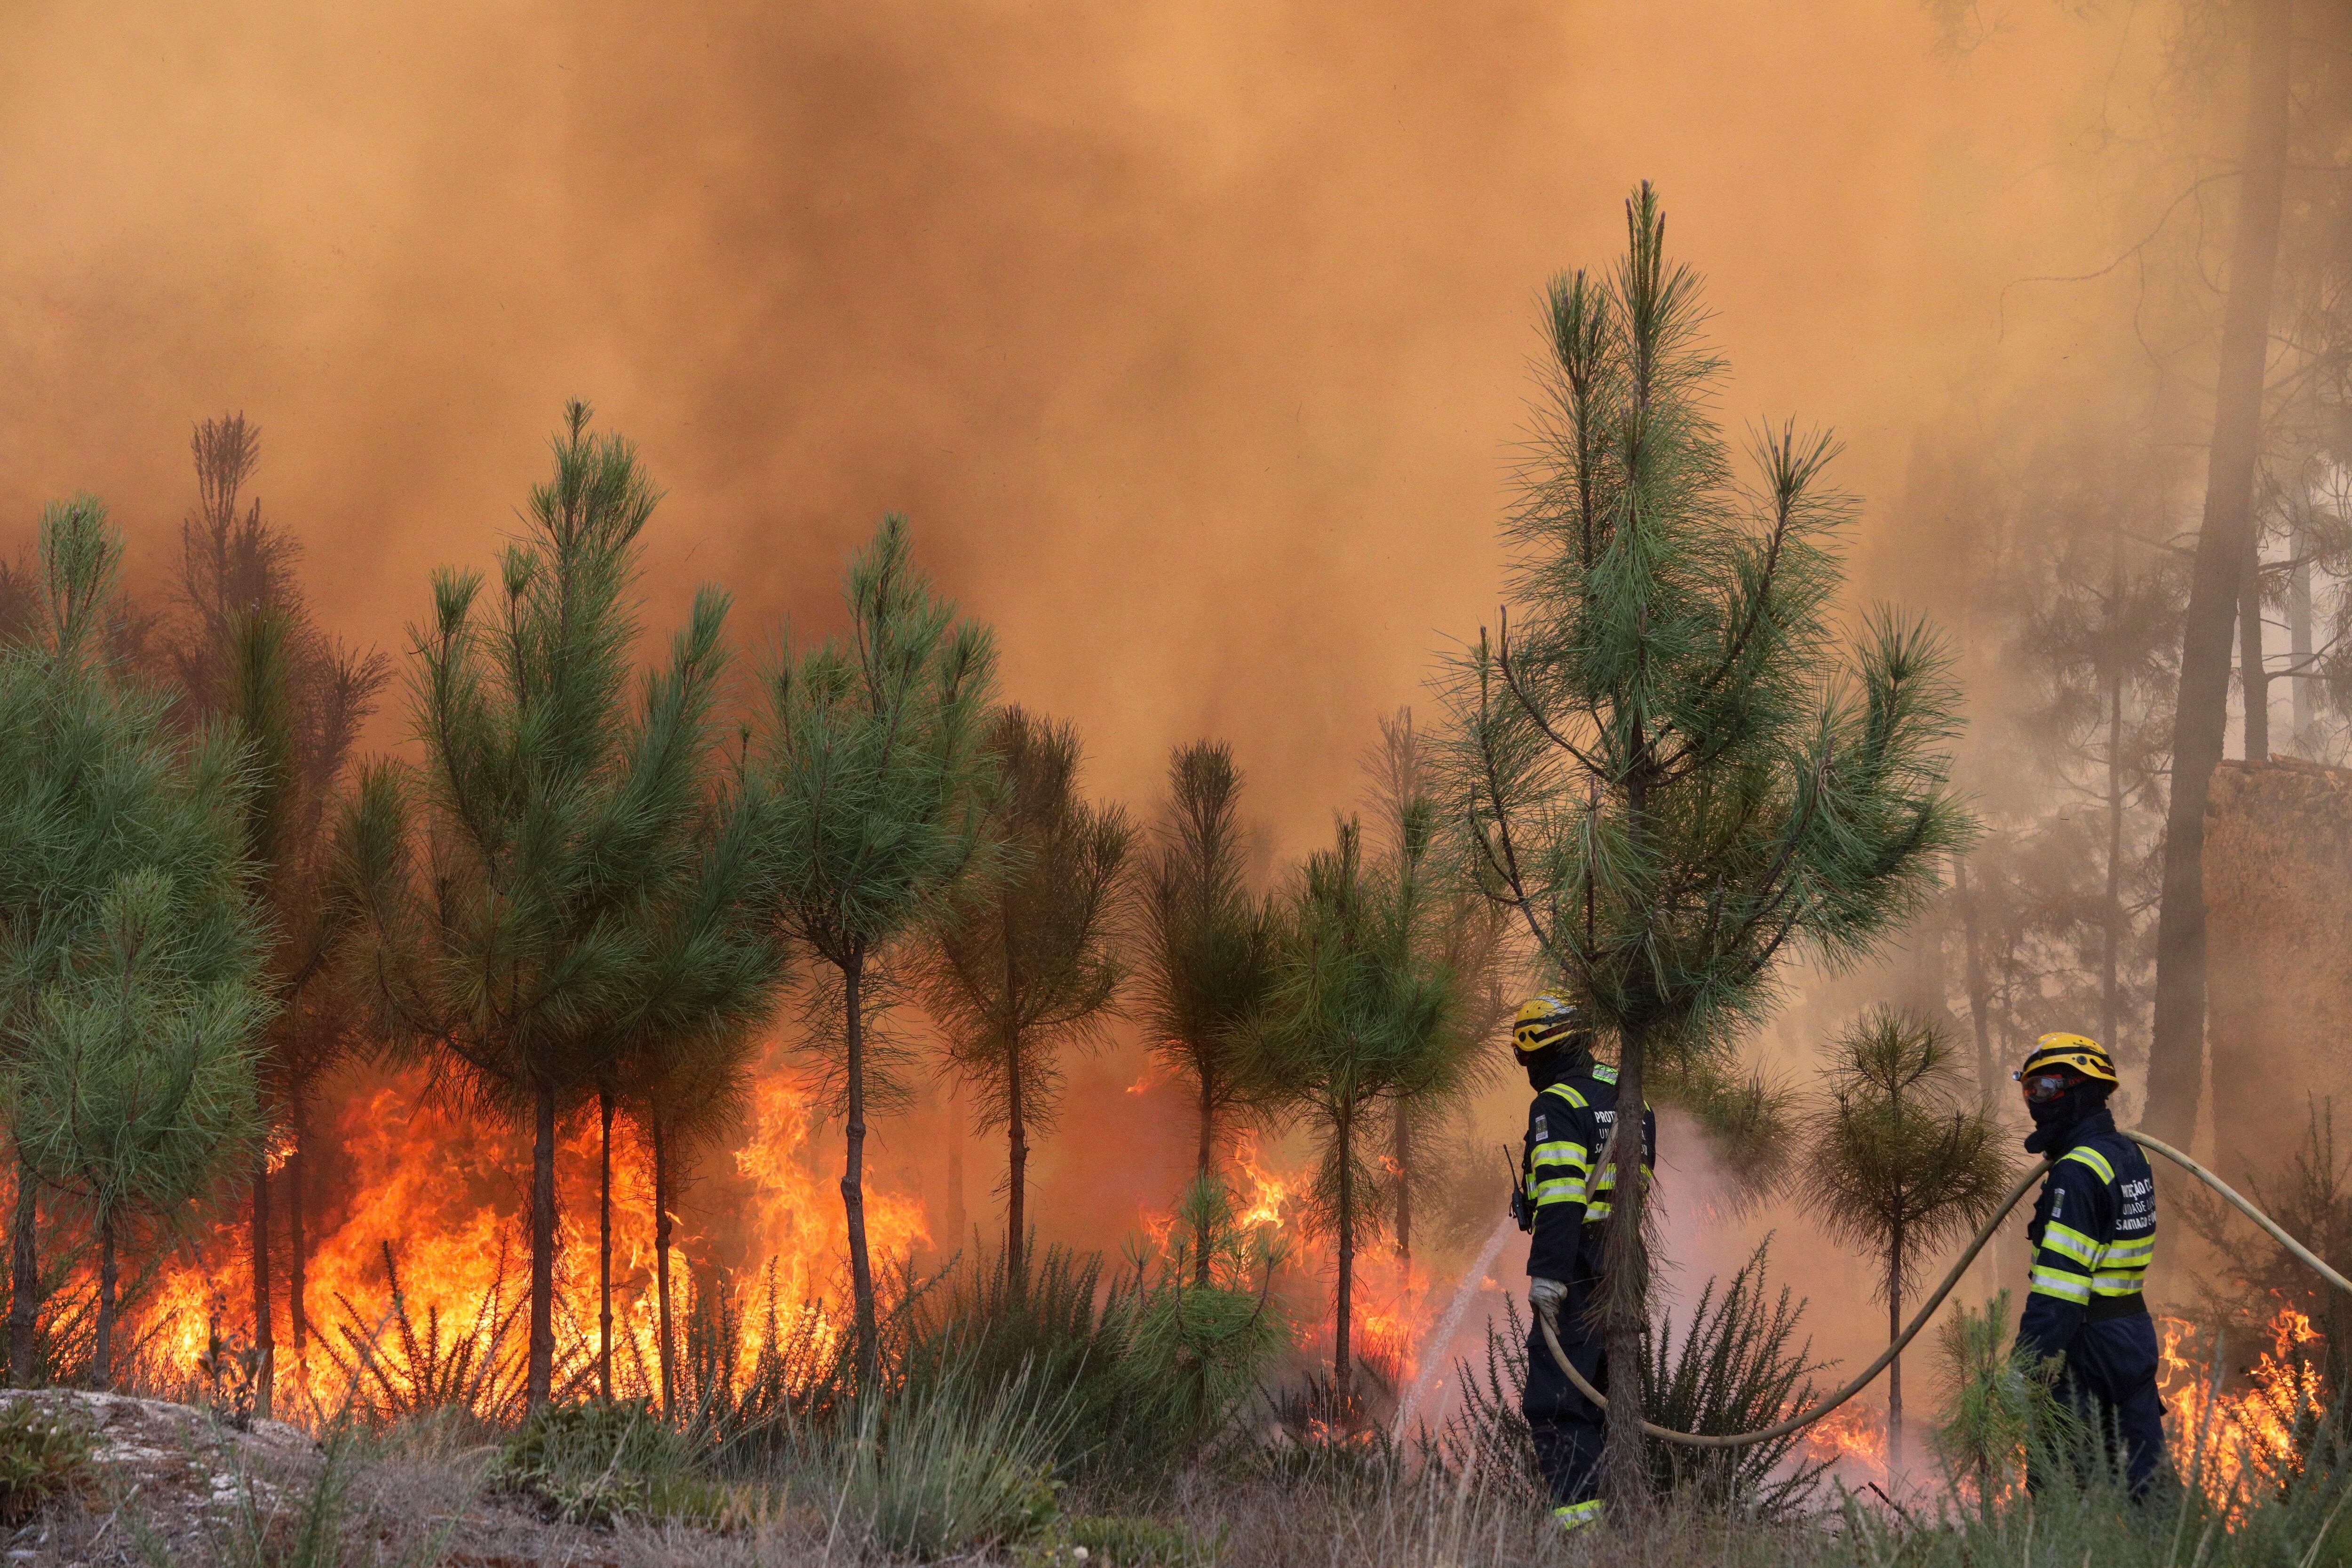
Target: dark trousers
(2109, 1385)
(1567, 1426)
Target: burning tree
(554, 898)
(1027, 962)
(872, 779)
(1364, 1012)
(1901, 1161)
(1669, 769)
(252, 656)
(1207, 951)
(128, 947)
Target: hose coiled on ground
(1951, 1282)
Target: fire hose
(1951, 1282)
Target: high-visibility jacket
(2094, 1235)
(1568, 1180)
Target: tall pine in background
(1027, 962)
(873, 780)
(1455, 932)
(1663, 764)
(249, 654)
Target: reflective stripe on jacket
(2094, 1235)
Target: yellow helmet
(1547, 1021)
(2075, 1052)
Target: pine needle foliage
(1206, 950)
(1664, 762)
(129, 947)
(873, 780)
(1023, 965)
(564, 873)
(1904, 1160)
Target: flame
(2237, 1442)
(1259, 1195)
(441, 1195)
(1852, 1435)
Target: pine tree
(1664, 765)
(1026, 963)
(873, 780)
(542, 890)
(250, 654)
(136, 1093)
(2227, 548)
(1458, 934)
(128, 945)
(1902, 1162)
(1362, 1016)
(1207, 947)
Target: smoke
(1193, 337)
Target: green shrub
(595, 1464)
(952, 1465)
(1736, 1367)
(46, 1449)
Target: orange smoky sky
(1194, 336)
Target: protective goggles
(2041, 1088)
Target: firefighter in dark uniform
(1565, 1185)
(2094, 1235)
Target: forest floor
(169, 1484)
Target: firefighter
(2087, 1324)
(1563, 1193)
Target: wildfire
(1259, 1197)
(432, 1198)
(2234, 1443)
(1854, 1434)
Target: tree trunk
(1203, 1168)
(605, 1245)
(1625, 1290)
(1016, 1172)
(1402, 1153)
(101, 1364)
(25, 1281)
(297, 1310)
(1342, 1408)
(2253, 671)
(540, 1378)
(2176, 1051)
(956, 1221)
(661, 1261)
(1016, 1130)
(2298, 632)
(1979, 992)
(264, 1340)
(1894, 1367)
(852, 1178)
(2111, 944)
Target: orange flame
(2235, 1444)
